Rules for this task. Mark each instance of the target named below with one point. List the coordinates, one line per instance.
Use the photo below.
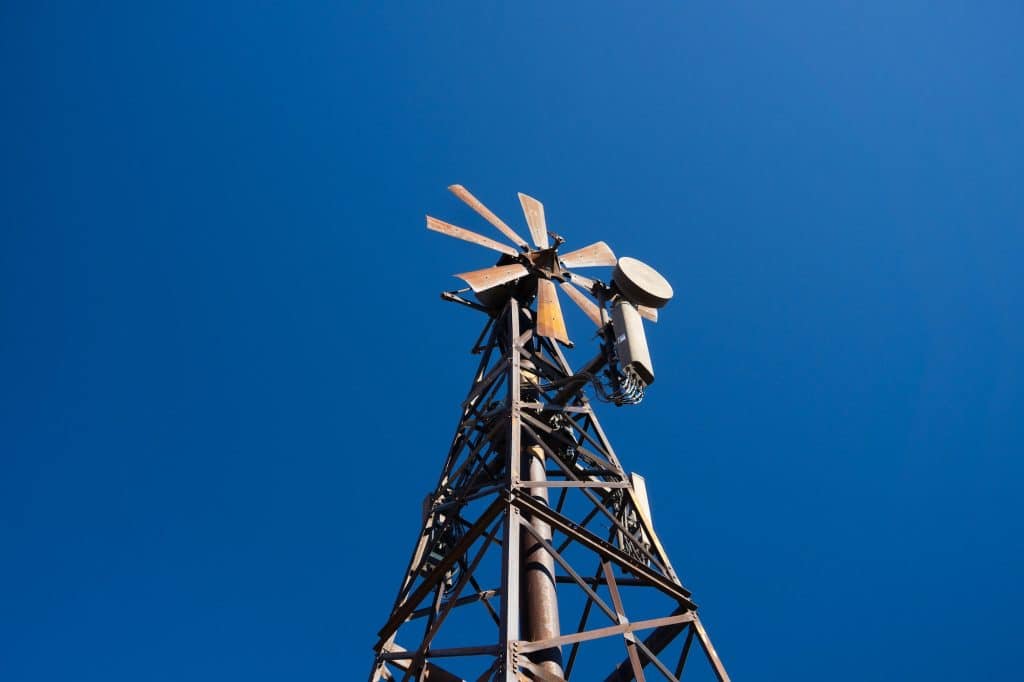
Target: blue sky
(228, 380)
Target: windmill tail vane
(536, 556)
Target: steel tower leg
(511, 548)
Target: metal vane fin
(461, 233)
(593, 255)
(586, 305)
(487, 278)
(534, 212)
(584, 282)
(475, 204)
(550, 322)
(648, 313)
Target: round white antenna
(641, 284)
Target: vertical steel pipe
(540, 600)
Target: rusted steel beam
(613, 590)
(486, 596)
(548, 407)
(482, 386)
(653, 644)
(452, 652)
(709, 651)
(442, 614)
(431, 671)
(593, 582)
(605, 549)
(686, 650)
(572, 573)
(525, 647)
(575, 484)
(401, 614)
(453, 297)
(580, 628)
(650, 656)
(483, 595)
(608, 514)
(511, 545)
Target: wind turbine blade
(648, 313)
(460, 233)
(550, 322)
(596, 254)
(475, 204)
(487, 278)
(586, 305)
(534, 212)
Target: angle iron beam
(630, 641)
(401, 614)
(511, 550)
(474, 450)
(486, 600)
(549, 407)
(575, 484)
(709, 651)
(598, 633)
(481, 386)
(443, 614)
(581, 524)
(434, 671)
(597, 503)
(606, 444)
(651, 657)
(453, 297)
(597, 582)
(654, 643)
(579, 628)
(567, 567)
(459, 500)
(605, 549)
(488, 327)
(685, 652)
(482, 595)
(591, 457)
(453, 652)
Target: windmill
(537, 557)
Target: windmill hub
(538, 271)
(546, 261)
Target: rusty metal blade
(487, 278)
(534, 212)
(596, 254)
(648, 313)
(460, 233)
(585, 304)
(475, 204)
(550, 322)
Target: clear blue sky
(227, 380)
